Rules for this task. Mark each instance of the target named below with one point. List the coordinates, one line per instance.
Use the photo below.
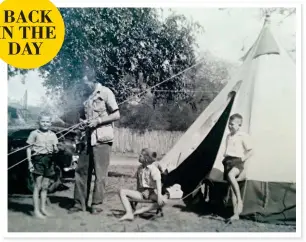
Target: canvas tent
(263, 92)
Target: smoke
(69, 103)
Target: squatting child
(149, 186)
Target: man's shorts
(229, 163)
(43, 165)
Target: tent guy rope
(73, 127)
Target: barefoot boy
(238, 151)
(40, 157)
(148, 186)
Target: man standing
(101, 110)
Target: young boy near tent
(148, 186)
(40, 157)
(238, 151)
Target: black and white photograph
(158, 119)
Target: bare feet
(127, 216)
(239, 207)
(46, 213)
(234, 217)
(39, 215)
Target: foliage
(129, 50)
(110, 43)
(202, 84)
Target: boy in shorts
(149, 186)
(43, 144)
(238, 151)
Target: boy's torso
(234, 145)
(44, 142)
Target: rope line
(71, 128)
(15, 151)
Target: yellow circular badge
(31, 32)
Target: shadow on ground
(63, 202)
(205, 210)
(20, 207)
(24, 204)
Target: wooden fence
(132, 141)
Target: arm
(247, 144)
(29, 156)
(105, 120)
(226, 141)
(159, 166)
(247, 155)
(55, 143)
(159, 187)
(110, 118)
(156, 176)
(31, 140)
(160, 199)
(112, 108)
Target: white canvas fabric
(265, 87)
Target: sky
(226, 32)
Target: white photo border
(172, 3)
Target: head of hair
(44, 114)
(236, 116)
(149, 155)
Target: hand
(31, 167)
(60, 146)
(83, 121)
(93, 123)
(160, 200)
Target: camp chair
(134, 203)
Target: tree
(201, 84)
(110, 43)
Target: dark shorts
(43, 165)
(147, 193)
(229, 163)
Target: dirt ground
(176, 217)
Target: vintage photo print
(159, 119)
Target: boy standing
(40, 157)
(238, 151)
